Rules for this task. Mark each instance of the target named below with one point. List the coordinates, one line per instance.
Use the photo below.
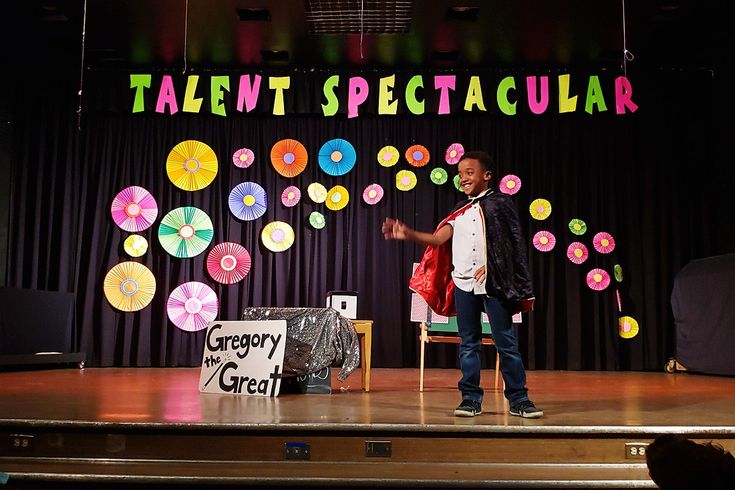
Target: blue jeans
(469, 310)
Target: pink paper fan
(544, 241)
(510, 184)
(243, 158)
(603, 242)
(372, 194)
(291, 196)
(620, 302)
(577, 252)
(598, 279)
(228, 262)
(192, 306)
(454, 153)
(134, 209)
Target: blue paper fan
(337, 157)
(248, 201)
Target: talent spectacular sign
(416, 94)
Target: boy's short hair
(486, 161)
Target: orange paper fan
(417, 155)
(289, 157)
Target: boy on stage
(486, 268)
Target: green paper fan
(456, 183)
(618, 272)
(316, 219)
(439, 176)
(577, 226)
(185, 232)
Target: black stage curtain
(651, 179)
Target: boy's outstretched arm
(396, 230)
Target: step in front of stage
(149, 428)
(312, 455)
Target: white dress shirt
(468, 248)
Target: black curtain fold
(649, 178)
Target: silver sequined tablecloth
(315, 338)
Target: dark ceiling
(380, 33)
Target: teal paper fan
(185, 232)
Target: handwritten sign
(243, 357)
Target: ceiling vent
(355, 16)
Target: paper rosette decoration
(510, 184)
(405, 180)
(317, 192)
(417, 156)
(129, 286)
(388, 156)
(618, 272)
(372, 194)
(248, 201)
(228, 262)
(135, 245)
(540, 209)
(337, 157)
(598, 279)
(454, 153)
(289, 157)
(290, 196)
(577, 252)
(243, 158)
(457, 185)
(316, 220)
(544, 241)
(337, 198)
(603, 242)
(627, 327)
(277, 236)
(620, 301)
(192, 305)
(439, 176)
(577, 226)
(191, 165)
(134, 209)
(185, 232)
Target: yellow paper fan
(388, 156)
(317, 192)
(191, 165)
(627, 327)
(129, 286)
(135, 245)
(337, 198)
(540, 209)
(405, 180)
(277, 236)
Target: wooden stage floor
(149, 426)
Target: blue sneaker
(468, 408)
(525, 409)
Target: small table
(364, 329)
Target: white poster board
(243, 357)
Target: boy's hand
(480, 274)
(394, 230)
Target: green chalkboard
(451, 327)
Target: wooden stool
(364, 329)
